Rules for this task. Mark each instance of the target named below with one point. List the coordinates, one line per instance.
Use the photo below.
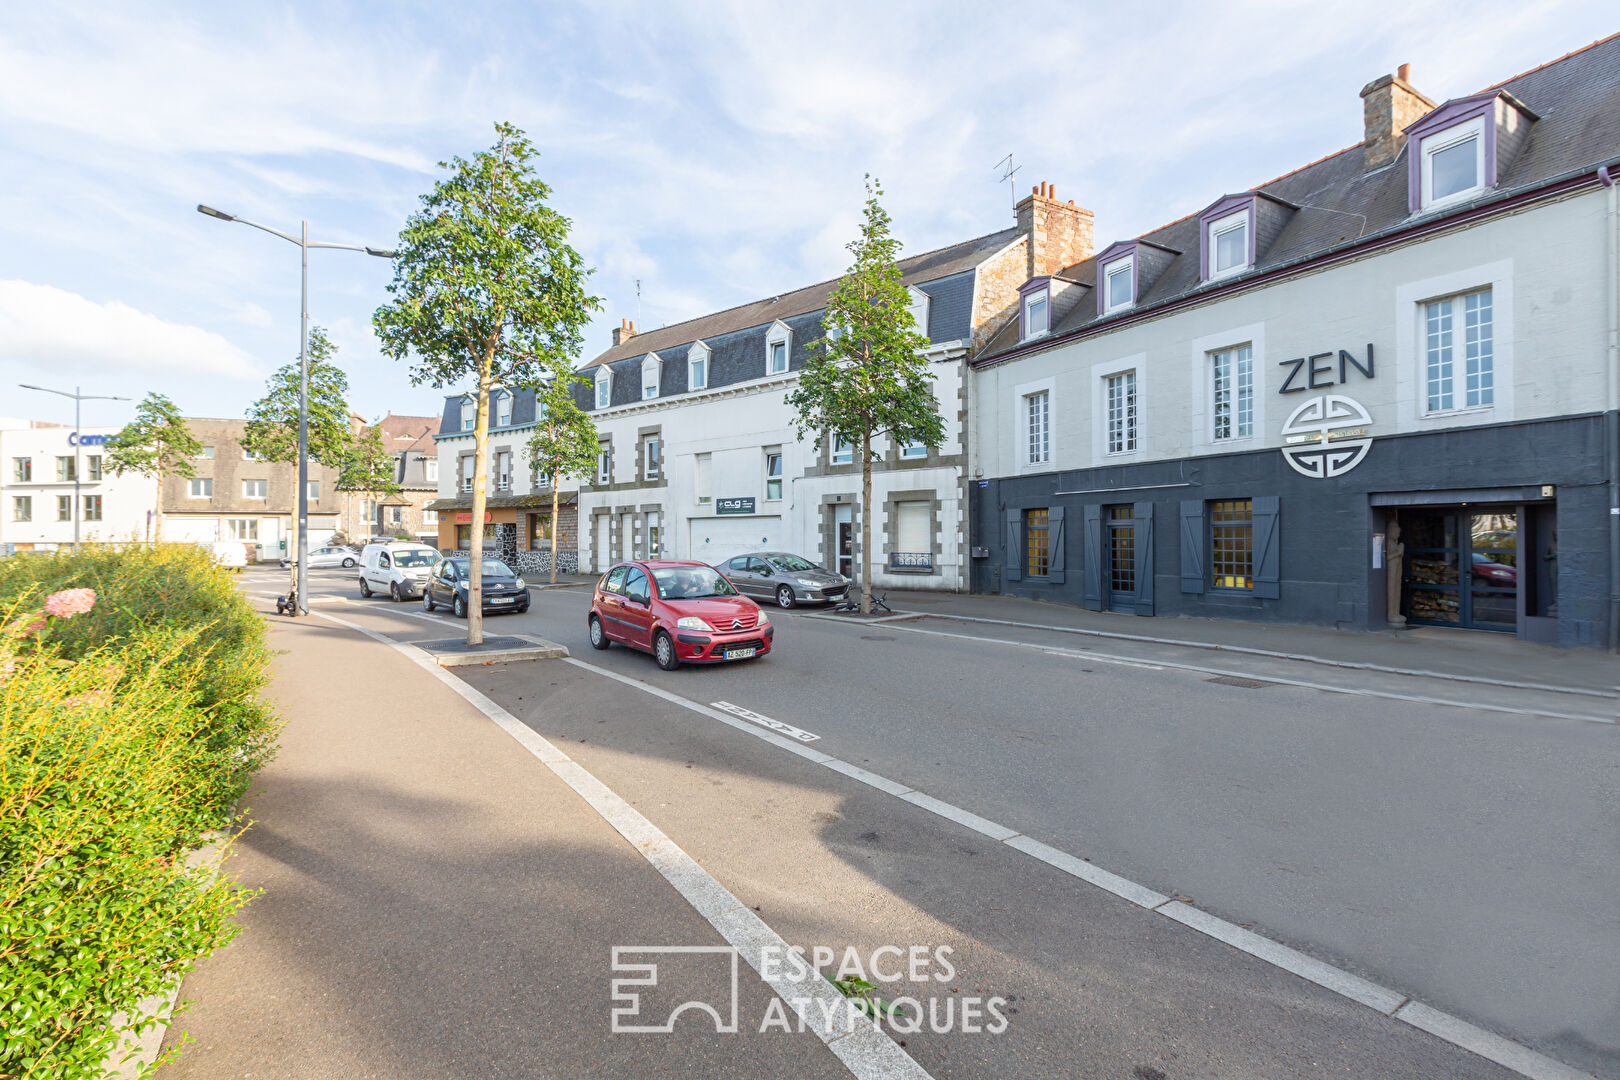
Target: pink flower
(70, 602)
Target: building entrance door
(1122, 558)
(1461, 567)
(844, 538)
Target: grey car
(786, 578)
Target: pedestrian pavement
(1457, 654)
(436, 902)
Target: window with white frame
(843, 451)
(779, 357)
(22, 508)
(702, 478)
(201, 487)
(1119, 284)
(1229, 244)
(503, 408)
(92, 508)
(469, 414)
(64, 508)
(778, 348)
(1121, 414)
(649, 459)
(1459, 352)
(92, 467)
(604, 465)
(430, 470)
(1453, 163)
(22, 469)
(1232, 389)
(1037, 313)
(918, 303)
(651, 374)
(430, 517)
(396, 515)
(604, 388)
(697, 367)
(914, 450)
(503, 470)
(207, 453)
(773, 474)
(255, 489)
(1038, 428)
(314, 487)
(242, 528)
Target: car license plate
(739, 654)
(501, 600)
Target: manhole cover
(1235, 680)
(875, 637)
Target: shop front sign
(464, 517)
(734, 506)
(1325, 436)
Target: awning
(505, 502)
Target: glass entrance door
(1122, 558)
(1461, 568)
(844, 526)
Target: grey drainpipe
(1612, 417)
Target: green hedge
(126, 734)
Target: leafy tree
(486, 289)
(368, 469)
(272, 421)
(867, 377)
(156, 443)
(563, 445)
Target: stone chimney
(1057, 234)
(624, 332)
(1389, 104)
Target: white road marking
(1444, 1026)
(866, 1051)
(764, 721)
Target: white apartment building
(40, 502)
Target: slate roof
(1577, 98)
(928, 266)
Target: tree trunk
(556, 485)
(866, 522)
(157, 513)
(475, 546)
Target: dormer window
(469, 414)
(778, 346)
(1119, 284)
(652, 369)
(918, 303)
(1037, 313)
(1454, 163)
(1228, 244)
(604, 388)
(503, 408)
(697, 366)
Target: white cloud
(54, 329)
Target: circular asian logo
(1326, 436)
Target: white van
(399, 568)
(230, 554)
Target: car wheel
(394, 594)
(365, 587)
(784, 596)
(460, 607)
(599, 638)
(347, 563)
(427, 599)
(664, 652)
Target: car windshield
(492, 568)
(407, 557)
(691, 583)
(791, 563)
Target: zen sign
(734, 506)
(1326, 435)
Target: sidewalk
(436, 902)
(1453, 653)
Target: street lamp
(77, 397)
(301, 574)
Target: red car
(681, 612)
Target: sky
(712, 151)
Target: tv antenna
(638, 299)
(1009, 171)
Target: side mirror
(766, 572)
(637, 598)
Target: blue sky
(712, 150)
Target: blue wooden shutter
(1267, 548)
(1014, 570)
(1055, 543)
(1092, 566)
(1144, 558)
(1192, 545)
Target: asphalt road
(1463, 857)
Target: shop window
(1459, 353)
(539, 531)
(1037, 558)
(1231, 544)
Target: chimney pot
(1404, 73)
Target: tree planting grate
(1239, 681)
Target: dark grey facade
(1315, 542)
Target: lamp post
(77, 398)
(300, 570)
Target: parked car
(450, 582)
(681, 612)
(398, 568)
(231, 554)
(325, 558)
(788, 579)
(1487, 571)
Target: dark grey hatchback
(447, 586)
(786, 578)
